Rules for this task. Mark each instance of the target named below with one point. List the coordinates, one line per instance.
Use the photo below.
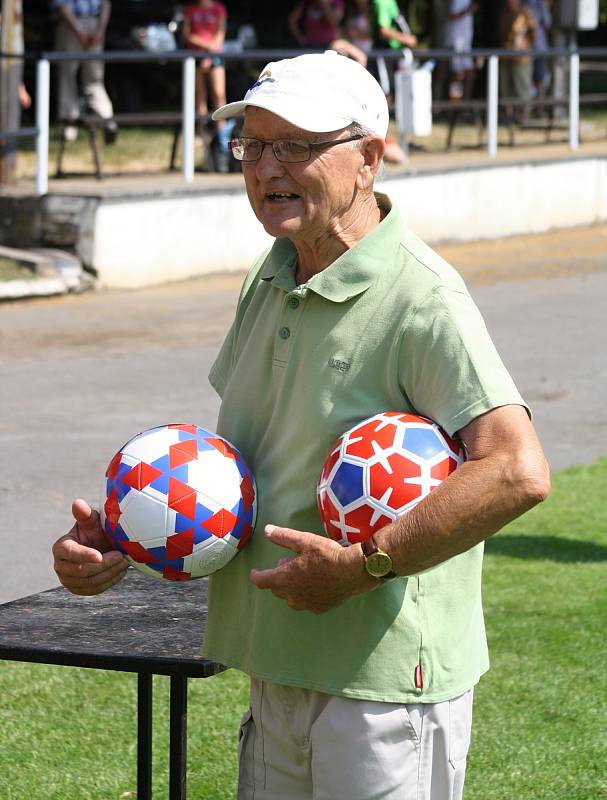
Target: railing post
(574, 101)
(492, 105)
(43, 72)
(189, 117)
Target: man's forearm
(505, 475)
(478, 499)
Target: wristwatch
(377, 562)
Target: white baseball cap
(317, 92)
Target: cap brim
(229, 110)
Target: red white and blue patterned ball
(379, 470)
(178, 501)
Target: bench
(93, 125)
(478, 108)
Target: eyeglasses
(289, 151)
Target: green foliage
(70, 734)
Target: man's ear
(372, 152)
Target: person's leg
(93, 73)
(363, 750)
(521, 79)
(67, 83)
(539, 81)
(202, 106)
(217, 86)
(506, 87)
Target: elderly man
(361, 679)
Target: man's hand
(83, 560)
(321, 576)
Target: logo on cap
(265, 77)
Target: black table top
(139, 625)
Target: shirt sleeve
(449, 368)
(222, 366)
(382, 14)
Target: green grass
(540, 718)
(539, 730)
(11, 270)
(70, 734)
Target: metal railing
(188, 59)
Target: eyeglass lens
(288, 150)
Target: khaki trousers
(91, 74)
(297, 744)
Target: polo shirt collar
(349, 275)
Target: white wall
(142, 242)
(503, 201)
(146, 241)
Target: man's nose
(268, 165)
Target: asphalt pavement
(82, 374)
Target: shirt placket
(288, 323)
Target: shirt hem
(413, 696)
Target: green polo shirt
(388, 326)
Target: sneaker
(70, 133)
(110, 132)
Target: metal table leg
(178, 738)
(144, 736)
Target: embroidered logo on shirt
(342, 366)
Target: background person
(518, 28)
(80, 26)
(357, 24)
(355, 41)
(458, 35)
(391, 30)
(316, 23)
(204, 28)
(540, 75)
(361, 685)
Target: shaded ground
(82, 374)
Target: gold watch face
(378, 564)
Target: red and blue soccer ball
(178, 501)
(379, 470)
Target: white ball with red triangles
(178, 501)
(379, 470)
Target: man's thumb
(86, 517)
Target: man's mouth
(281, 197)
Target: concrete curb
(54, 272)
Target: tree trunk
(11, 71)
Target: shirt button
(293, 302)
(284, 333)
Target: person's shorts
(296, 744)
